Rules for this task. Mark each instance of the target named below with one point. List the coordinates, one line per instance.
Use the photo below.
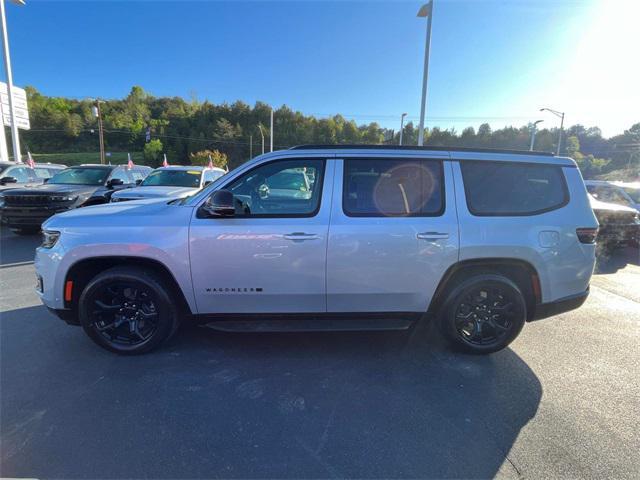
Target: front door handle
(300, 236)
(432, 236)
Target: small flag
(210, 162)
(164, 162)
(30, 162)
(226, 168)
(130, 162)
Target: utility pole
(15, 137)
(402, 126)
(97, 112)
(250, 147)
(271, 136)
(425, 11)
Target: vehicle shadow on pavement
(213, 404)
(17, 248)
(612, 261)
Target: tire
(26, 230)
(128, 310)
(483, 314)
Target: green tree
(152, 150)
(218, 158)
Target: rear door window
(513, 189)
(380, 187)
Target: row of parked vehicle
(32, 195)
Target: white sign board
(19, 106)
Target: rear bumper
(546, 310)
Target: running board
(313, 324)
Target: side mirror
(207, 183)
(138, 182)
(114, 182)
(5, 180)
(45, 180)
(219, 204)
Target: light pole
(534, 129)
(560, 115)
(15, 137)
(425, 11)
(97, 112)
(402, 126)
(262, 135)
(271, 132)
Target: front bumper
(562, 305)
(17, 217)
(70, 317)
(625, 234)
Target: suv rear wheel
(128, 310)
(483, 314)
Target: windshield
(173, 178)
(634, 193)
(81, 176)
(3, 168)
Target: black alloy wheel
(484, 314)
(127, 310)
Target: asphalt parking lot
(563, 401)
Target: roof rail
(414, 147)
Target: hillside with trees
(183, 130)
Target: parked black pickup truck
(24, 209)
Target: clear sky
(495, 61)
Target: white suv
(343, 237)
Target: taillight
(587, 235)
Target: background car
(632, 190)
(14, 175)
(619, 225)
(24, 209)
(173, 182)
(611, 193)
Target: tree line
(183, 130)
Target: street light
(97, 112)
(533, 133)
(262, 135)
(425, 11)
(15, 137)
(561, 116)
(402, 126)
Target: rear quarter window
(381, 187)
(513, 189)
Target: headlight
(63, 198)
(49, 238)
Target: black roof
(425, 148)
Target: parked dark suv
(24, 209)
(17, 175)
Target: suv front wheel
(483, 314)
(127, 310)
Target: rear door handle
(432, 236)
(300, 236)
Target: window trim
(323, 161)
(439, 213)
(476, 213)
